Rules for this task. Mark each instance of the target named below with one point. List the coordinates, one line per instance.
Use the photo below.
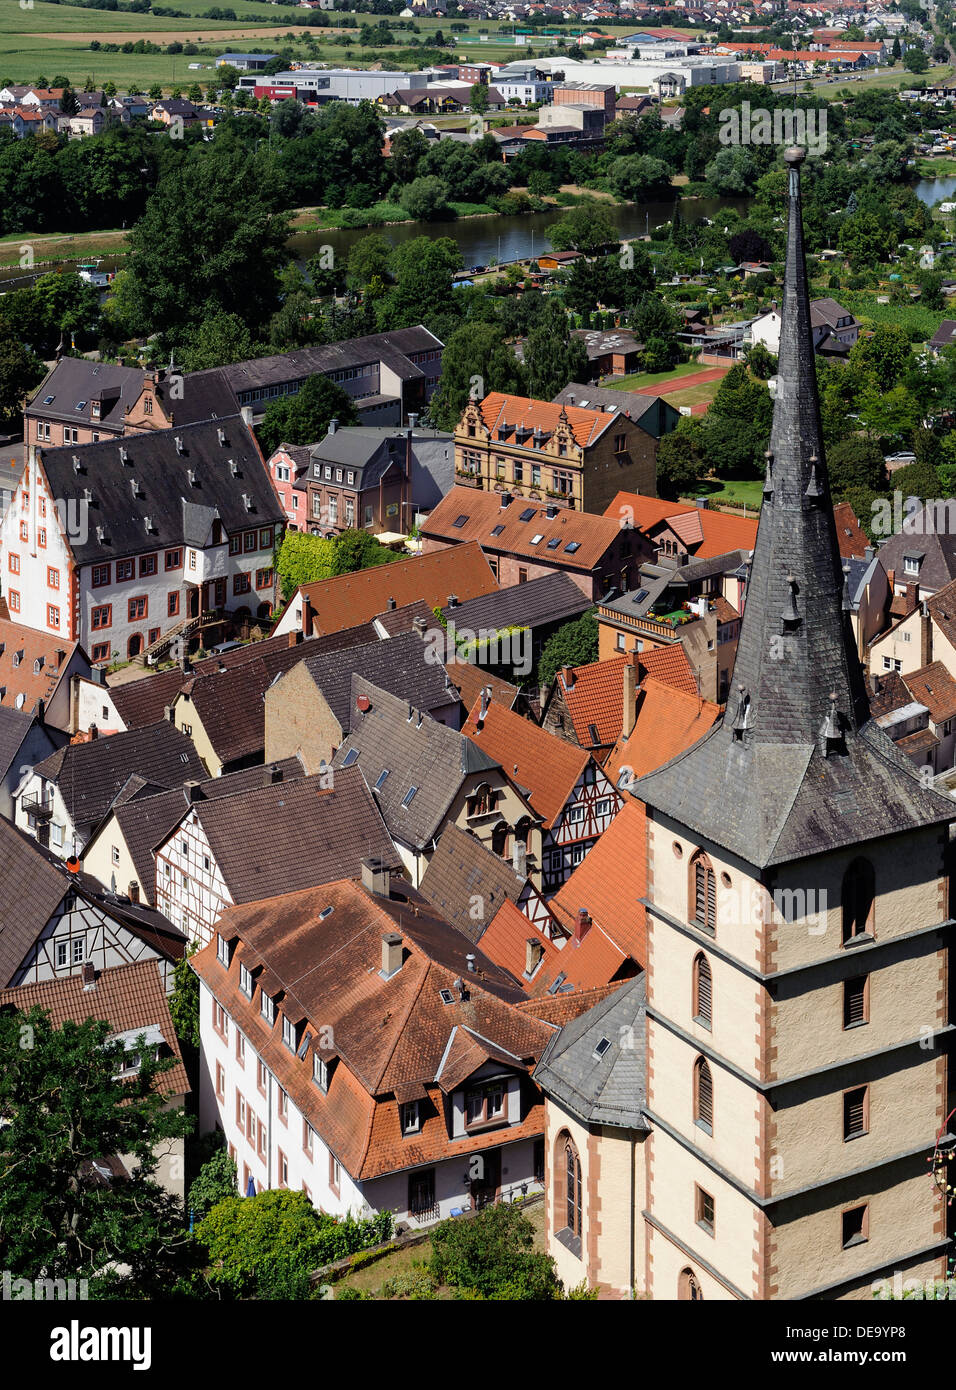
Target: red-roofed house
(673, 528)
(540, 450)
(668, 722)
(563, 784)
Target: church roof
(796, 766)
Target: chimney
(294, 638)
(391, 954)
(567, 675)
(452, 600)
(550, 511)
(570, 399)
(333, 425)
(506, 500)
(193, 790)
(60, 655)
(471, 964)
(912, 595)
(391, 604)
(246, 413)
(700, 503)
(40, 711)
(582, 925)
(628, 712)
(133, 891)
(419, 625)
(485, 700)
(925, 636)
(412, 420)
(533, 951)
(376, 877)
(873, 683)
(89, 976)
(868, 552)
(94, 732)
(275, 773)
(519, 859)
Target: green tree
(856, 462)
(66, 1108)
(357, 550)
(302, 559)
(210, 241)
(475, 359)
(587, 228)
(422, 269)
(478, 98)
(408, 149)
(304, 418)
(253, 1239)
(637, 177)
(915, 60)
(155, 92)
(552, 357)
(680, 460)
(20, 371)
(425, 198)
(574, 644)
(761, 362)
(184, 1000)
(215, 1182)
(369, 261)
(219, 340)
(492, 1255)
(884, 355)
(918, 480)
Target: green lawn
(693, 395)
(740, 492)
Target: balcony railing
(432, 1212)
(40, 807)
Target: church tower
(798, 930)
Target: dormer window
(911, 564)
(485, 1105)
(320, 1072)
(246, 982)
(267, 1008)
(410, 1117)
(222, 950)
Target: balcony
(39, 807)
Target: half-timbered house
(562, 784)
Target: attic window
(497, 530)
(326, 912)
(48, 400)
(184, 757)
(601, 1048)
(592, 730)
(381, 779)
(539, 536)
(559, 981)
(81, 405)
(527, 514)
(409, 796)
(304, 1046)
(350, 757)
(572, 546)
(446, 996)
(460, 521)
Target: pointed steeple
(795, 647)
(795, 766)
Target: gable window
(245, 981)
(703, 889)
(410, 1117)
(320, 1072)
(703, 1096)
(857, 899)
(485, 1105)
(267, 1008)
(703, 992)
(61, 953)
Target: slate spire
(796, 650)
(796, 766)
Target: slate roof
(403, 666)
(127, 997)
(229, 705)
(391, 348)
(462, 867)
(147, 821)
(20, 648)
(357, 598)
(418, 752)
(14, 727)
(589, 536)
(75, 381)
(164, 486)
(610, 1089)
(196, 396)
(315, 833)
(544, 768)
(935, 548)
(551, 598)
(942, 610)
(142, 702)
(945, 334)
(796, 766)
(89, 776)
(631, 403)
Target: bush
(215, 1182)
(492, 1256)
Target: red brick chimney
(582, 925)
(925, 636)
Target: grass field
(693, 395)
(741, 492)
(640, 379)
(938, 167)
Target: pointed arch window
(703, 991)
(703, 1096)
(688, 1286)
(703, 893)
(567, 1192)
(573, 1171)
(857, 900)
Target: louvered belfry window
(705, 893)
(703, 991)
(703, 1095)
(855, 1116)
(855, 1002)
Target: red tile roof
(125, 996)
(934, 687)
(668, 723)
(349, 599)
(587, 426)
(851, 537)
(548, 767)
(483, 512)
(505, 940)
(20, 648)
(608, 883)
(670, 666)
(596, 695)
(718, 532)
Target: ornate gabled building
(798, 930)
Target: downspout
(630, 1257)
(271, 1130)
